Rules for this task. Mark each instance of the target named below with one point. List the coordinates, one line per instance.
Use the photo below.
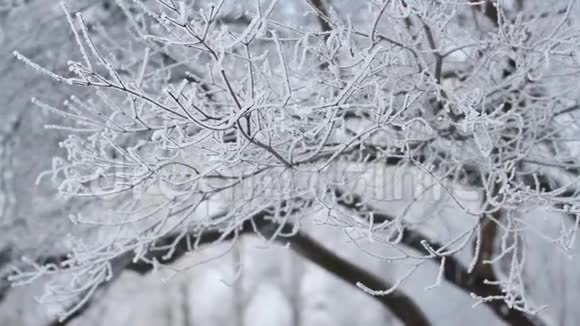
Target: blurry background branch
(476, 282)
(398, 303)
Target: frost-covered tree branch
(196, 124)
(172, 247)
(478, 284)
